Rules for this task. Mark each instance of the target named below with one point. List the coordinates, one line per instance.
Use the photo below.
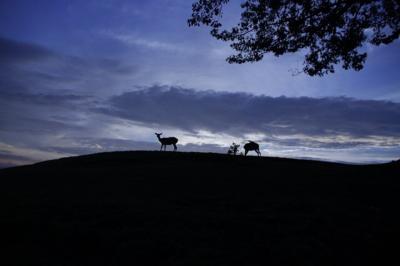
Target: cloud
(46, 99)
(332, 141)
(11, 155)
(27, 67)
(30, 114)
(13, 51)
(19, 53)
(146, 43)
(241, 113)
(130, 39)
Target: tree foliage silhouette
(233, 149)
(329, 31)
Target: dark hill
(152, 208)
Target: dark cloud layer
(14, 51)
(27, 67)
(244, 113)
(10, 156)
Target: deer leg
(175, 148)
(245, 152)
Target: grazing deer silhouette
(167, 141)
(251, 146)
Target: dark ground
(152, 208)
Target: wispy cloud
(133, 39)
(12, 155)
(146, 43)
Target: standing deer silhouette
(167, 141)
(251, 146)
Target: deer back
(251, 146)
(169, 141)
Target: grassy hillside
(153, 208)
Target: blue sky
(91, 76)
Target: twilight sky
(80, 77)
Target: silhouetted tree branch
(330, 31)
